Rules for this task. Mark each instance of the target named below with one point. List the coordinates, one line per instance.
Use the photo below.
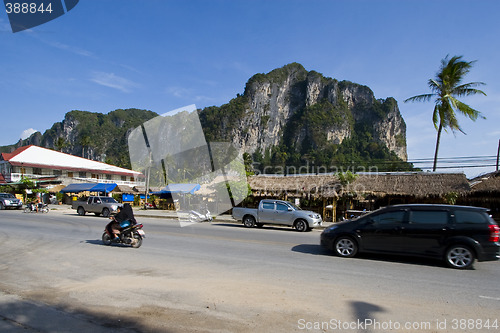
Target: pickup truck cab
(277, 212)
(104, 206)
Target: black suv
(456, 234)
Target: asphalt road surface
(56, 276)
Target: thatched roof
(489, 183)
(418, 184)
(421, 184)
(56, 188)
(292, 185)
(124, 189)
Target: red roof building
(42, 163)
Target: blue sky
(161, 54)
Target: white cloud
(113, 81)
(27, 133)
(179, 92)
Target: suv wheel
(2, 207)
(459, 256)
(345, 247)
(80, 211)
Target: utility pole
(498, 154)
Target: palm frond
(466, 110)
(468, 90)
(420, 98)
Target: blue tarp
(103, 187)
(179, 188)
(90, 187)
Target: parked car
(97, 205)
(8, 200)
(456, 234)
(277, 212)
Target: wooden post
(324, 208)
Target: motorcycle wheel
(27, 210)
(137, 241)
(106, 239)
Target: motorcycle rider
(122, 219)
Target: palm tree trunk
(437, 146)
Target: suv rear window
(469, 217)
(429, 217)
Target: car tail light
(494, 233)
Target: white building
(41, 163)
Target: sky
(160, 55)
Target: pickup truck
(277, 212)
(8, 200)
(96, 205)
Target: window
(281, 207)
(468, 217)
(70, 174)
(108, 176)
(124, 178)
(37, 171)
(429, 217)
(82, 174)
(268, 205)
(389, 217)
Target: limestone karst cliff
(292, 114)
(289, 116)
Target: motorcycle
(131, 234)
(194, 216)
(32, 208)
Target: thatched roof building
(487, 184)
(292, 185)
(412, 184)
(420, 184)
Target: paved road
(56, 276)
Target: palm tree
(60, 144)
(85, 141)
(446, 87)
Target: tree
(446, 87)
(60, 143)
(85, 141)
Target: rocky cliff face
(96, 136)
(293, 107)
(289, 116)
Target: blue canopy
(90, 187)
(103, 187)
(179, 188)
